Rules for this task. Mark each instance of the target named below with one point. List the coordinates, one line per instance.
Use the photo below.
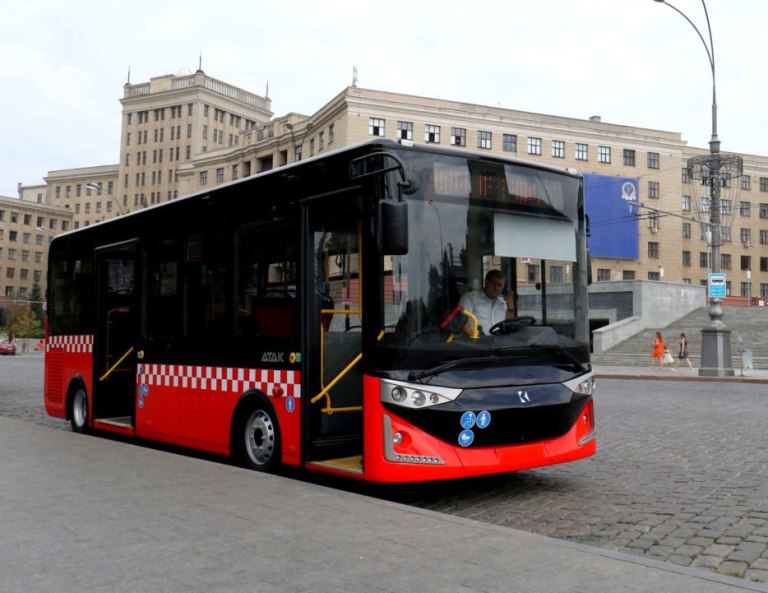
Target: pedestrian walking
(683, 352)
(668, 360)
(658, 351)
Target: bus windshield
(470, 216)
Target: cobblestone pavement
(681, 474)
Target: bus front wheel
(259, 439)
(78, 411)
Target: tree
(21, 322)
(36, 303)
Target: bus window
(267, 300)
(163, 314)
(206, 286)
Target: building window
(603, 274)
(653, 160)
(764, 184)
(484, 139)
(432, 134)
(203, 177)
(763, 210)
(746, 182)
(654, 189)
(558, 149)
(745, 236)
(321, 139)
(704, 259)
(654, 276)
(405, 130)
(686, 203)
(684, 175)
(220, 175)
(745, 209)
(653, 250)
(375, 127)
(686, 259)
(763, 237)
(458, 136)
(725, 261)
(604, 154)
(534, 146)
(331, 133)
(629, 157)
(509, 143)
(581, 151)
(628, 275)
(686, 230)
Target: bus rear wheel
(259, 440)
(78, 411)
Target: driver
(489, 305)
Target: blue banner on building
(613, 224)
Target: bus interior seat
(276, 317)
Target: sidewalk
(680, 374)
(84, 514)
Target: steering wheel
(508, 326)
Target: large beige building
(26, 226)
(186, 132)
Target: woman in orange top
(658, 350)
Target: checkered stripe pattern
(77, 344)
(235, 380)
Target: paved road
(681, 474)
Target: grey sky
(633, 62)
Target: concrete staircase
(749, 330)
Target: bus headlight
(410, 395)
(399, 394)
(584, 385)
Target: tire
(257, 440)
(78, 411)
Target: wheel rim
(260, 437)
(80, 408)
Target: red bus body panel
(456, 461)
(193, 406)
(66, 358)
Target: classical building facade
(188, 132)
(27, 224)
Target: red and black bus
(307, 316)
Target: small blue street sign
(717, 285)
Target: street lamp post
(100, 190)
(716, 169)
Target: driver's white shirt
(488, 312)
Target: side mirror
(393, 227)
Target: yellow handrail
(327, 388)
(117, 364)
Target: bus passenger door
(118, 322)
(332, 341)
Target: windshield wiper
(416, 375)
(561, 354)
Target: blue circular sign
(290, 404)
(483, 419)
(468, 420)
(466, 437)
